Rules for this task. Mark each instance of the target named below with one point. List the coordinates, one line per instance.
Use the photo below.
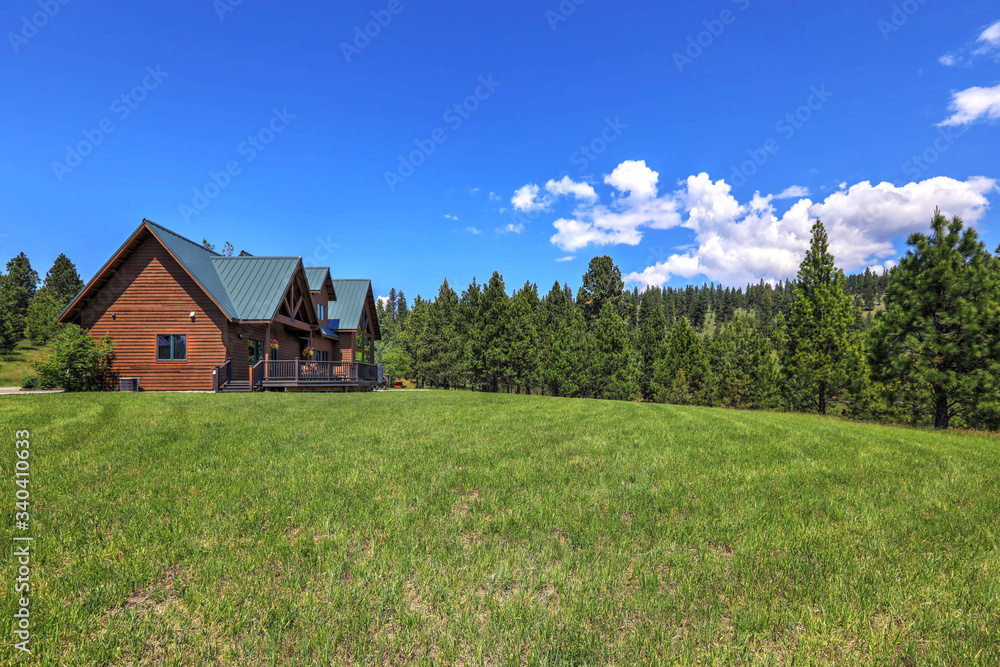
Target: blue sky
(287, 130)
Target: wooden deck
(300, 373)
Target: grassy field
(14, 369)
(456, 528)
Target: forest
(917, 344)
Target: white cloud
(473, 230)
(473, 191)
(382, 300)
(991, 36)
(793, 192)
(565, 187)
(450, 217)
(494, 197)
(511, 228)
(526, 199)
(634, 177)
(972, 104)
(987, 44)
(566, 259)
(737, 243)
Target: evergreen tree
(562, 339)
(682, 374)
(18, 289)
(651, 336)
(825, 355)
(41, 323)
(614, 366)
(744, 366)
(938, 343)
(62, 280)
(443, 356)
(402, 310)
(524, 340)
(494, 328)
(602, 284)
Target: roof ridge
(183, 238)
(246, 257)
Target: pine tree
(744, 366)
(494, 326)
(62, 280)
(472, 342)
(938, 343)
(651, 336)
(602, 283)
(443, 356)
(825, 355)
(614, 366)
(562, 339)
(18, 289)
(524, 346)
(682, 374)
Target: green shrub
(77, 363)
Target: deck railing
(223, 375)
(306, 372)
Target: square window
(171, 347)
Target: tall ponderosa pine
(682, 374)
(825, 356)
(939, 338)
(562, 337)
(17, 289)
(442, 365)
(494, 328)
(62, 283)
(744, 366)
(523, 359)
(651, 335)
(614, 366)
(602, 283)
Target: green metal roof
(255, 285)
(247, 287)
(316, 276)
(198, 261)
(345, 312)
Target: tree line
(919, 343)
(30, 312)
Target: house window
(171, 347)
(321, 313)
(255, 351)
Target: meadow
(457, 528)
(17, 366)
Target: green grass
(15, 368)
(457, 528)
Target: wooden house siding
(152, 294)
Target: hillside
(466, 528)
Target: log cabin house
(185, 318)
